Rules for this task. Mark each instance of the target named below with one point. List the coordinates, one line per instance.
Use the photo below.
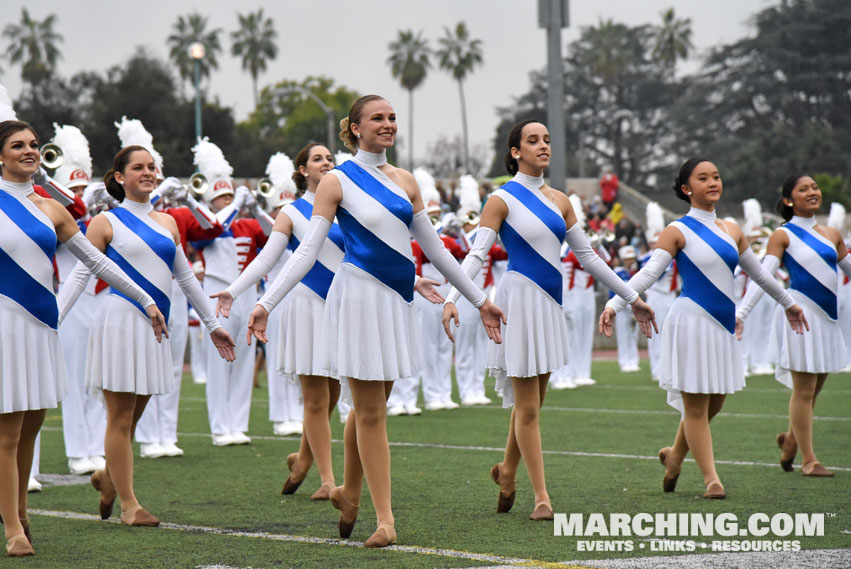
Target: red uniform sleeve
(190, 229)
(76, 209)
(497, 253)
(418, 256)
(453, 247)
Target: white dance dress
(810, 260)
(32, 366)
(535, 339)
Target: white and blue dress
(700, 353)
(32, 366)
(811, 260)
(123, 354)
(369, 329)
(301, 320)
(535, 340)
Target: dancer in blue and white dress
(368, 331)
(124, 365)
(32, 367)
(532, 220)
(811, 253)
(300, 336)
(701, 362)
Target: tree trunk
(254, 81)
(464, 127)
(411, 130)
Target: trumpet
(198, 184)
(435, 220)
(51, 156)
(265, 188)
(472, 218)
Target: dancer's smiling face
(20, 156)
(704, 185)
(377, 126)
(805, 198)
(533, 155)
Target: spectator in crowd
(609, 184)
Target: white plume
(655, 220)
(131, 132)
(210, 160)
(280, 170)
(427, 187)
(7, 111)
(468, 195)
(341, 156)
(576, 202)
(836, 217)
(75, 151)
(753, 215)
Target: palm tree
(255, 42)
(458, 54)
(34, 45)
(671, 40)
(186, 31)
(409, 63)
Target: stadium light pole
(553, 15)
(196, 52)
(329, 112)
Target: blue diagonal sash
(533, 203)
(305, 208)
(801, 280)
(162, 300)
(392, 202)
(727, 252)
(701, 290)
(42, 235)
(523, 259)
(162, 246)
(823, 250)
(319, 277)
(21, 287)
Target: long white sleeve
(644, 279)
(193, 291)
(475, 259)
(261, 265)
(754, 293)
(73, 286)
(199, 211)
(104, 268)
(266, 221)
(299, 264)
(845, 265)
(593, 264)
(763, 279)
(442, 259)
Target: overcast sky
(348, 40)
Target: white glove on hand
(40, 177)
(94, 193)
(241, 197)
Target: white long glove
(593, 264)
(442, 259)
(261, 265)
(644, 279)
(192, 289)
(299, 264)
(475, 259)
(761, 275)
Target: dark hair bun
(115, 189)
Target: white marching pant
(283, 395)
(437, 350)
(470, 351)
(661, 303)
(158, 424)
(581, 336)
(626, 332)
(844, 298)
(229, 384)
(755, 333)
(197, 360)
(406, 390)
(83, 416)
(36, 467)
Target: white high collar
(371, 158)
(530, 182)
(309, 197)
(808, 222)
(19, 189)
(138, 209)
(707, 217)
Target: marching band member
(836, 220)
(626, 332)
(83, 415)
(701, 362)
(196, 335)
(156, 430)
(369, 334)
(811, 253)
(661, 294)
(124, 366)
(756, 358)
(532, 220)
(32, 367)
(229, 386)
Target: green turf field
(601, 443)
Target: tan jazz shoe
(296, 476)
(787, 452)
(815, 470)
(139, 516)
(714, 491)
(542, 512)
(507, 490)
(323, 493)
(348, 511)
(385, 535)
(669, 482)
(19, 546)
(103, 484)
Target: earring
(359, 135)
(121, 182)
(307, 175)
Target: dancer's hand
(257, 324)
(492, 315)
(796, 318)
(645, 317)
(607, 320)
(426, 288)
(224, 344)
(157, 322)
(740, 328)
(224, 300)
(450, 312)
